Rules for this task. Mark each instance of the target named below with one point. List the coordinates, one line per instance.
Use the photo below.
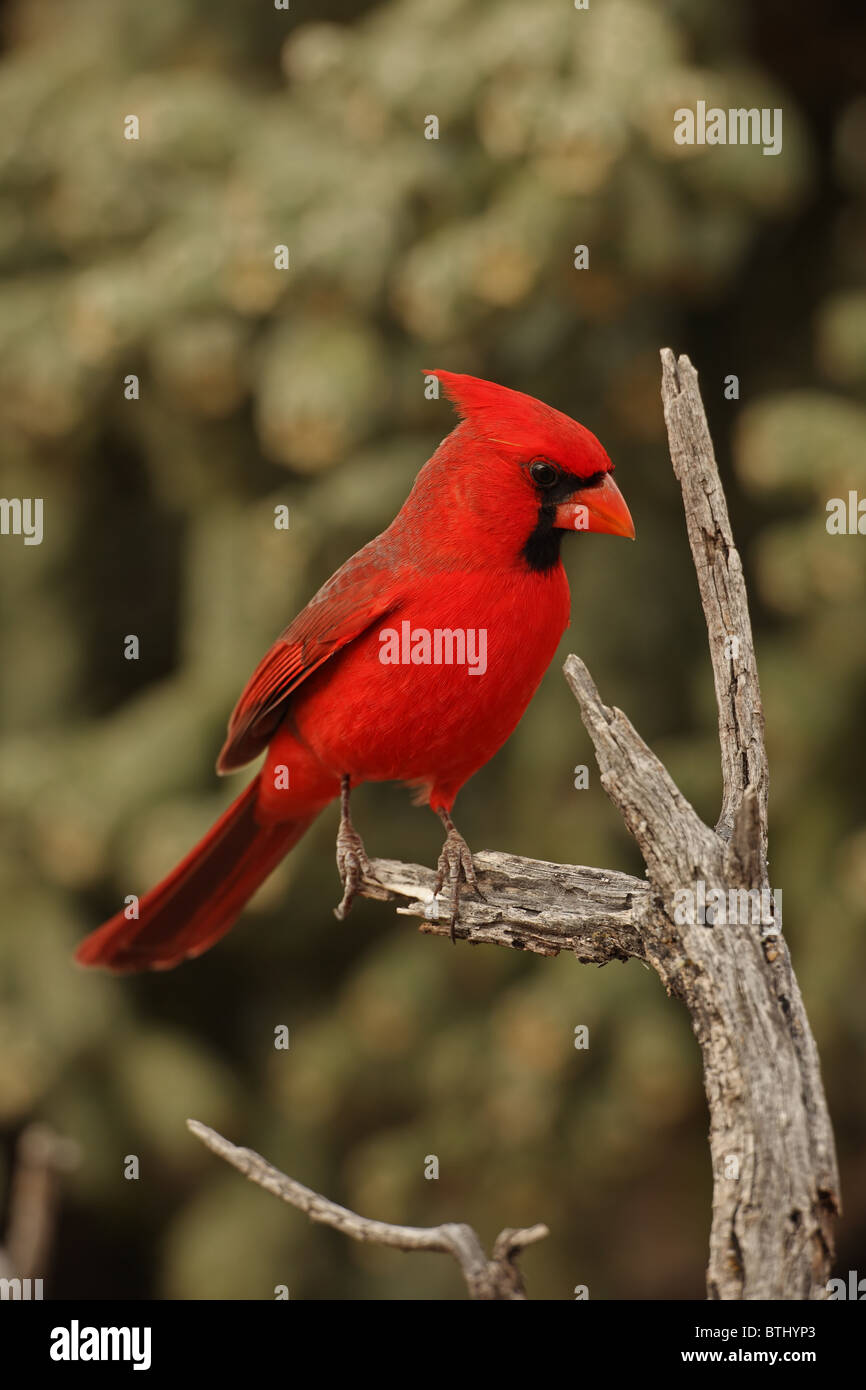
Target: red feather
(359, 594)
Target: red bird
(413, 663)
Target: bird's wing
(361, 593)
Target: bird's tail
(199, 900)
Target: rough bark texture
(532, 905)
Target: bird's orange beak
(598, 508)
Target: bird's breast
(432, 691)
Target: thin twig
(495, 1278)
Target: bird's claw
(353, 866)
(455, 865)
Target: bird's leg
(352, 861)
(455, 863)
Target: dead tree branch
(494, 1278)
(723, 596)
(531, 905)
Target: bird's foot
(353, 863)
(455, 868)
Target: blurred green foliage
(303, 387)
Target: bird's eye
(543, 473)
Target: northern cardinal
(413, 663)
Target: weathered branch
(723, 595)
(494, 1278)
(770, 1137)
(530, 905)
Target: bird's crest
(498, 415)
